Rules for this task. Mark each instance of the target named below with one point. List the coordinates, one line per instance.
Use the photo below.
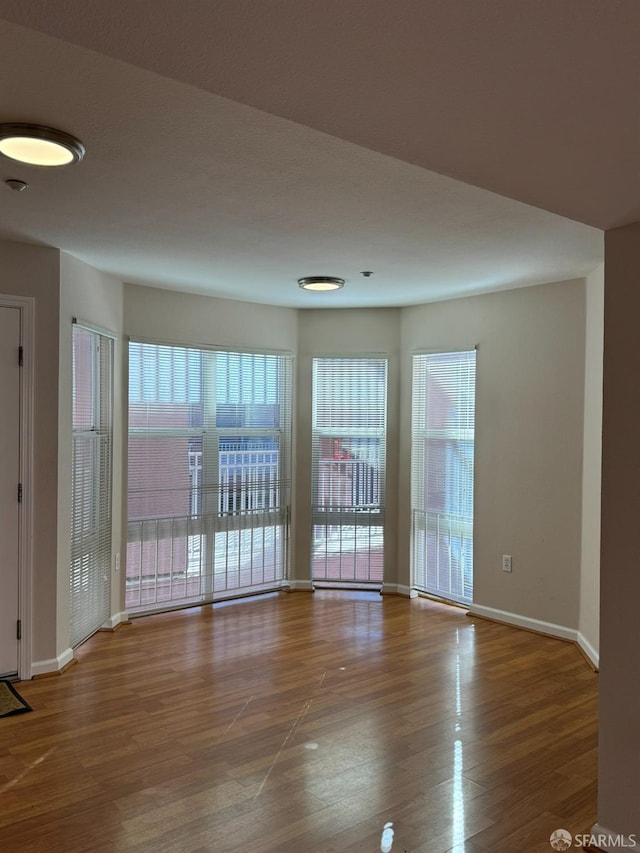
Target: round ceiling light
(36, 145)
(320, 283)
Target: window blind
(442, 468)
(348, 469)
(92, 448)
(209, 474)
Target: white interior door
(9, 478)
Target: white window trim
(98, 330)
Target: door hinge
(19, 629)
(19, 493)
(20, 356)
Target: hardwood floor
(299, 722)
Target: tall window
(349, 453)
(209, 474)
(443, 424)
(90, 590)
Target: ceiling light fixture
(36, 145)
(320, 283)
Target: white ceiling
(236, 145)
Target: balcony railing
(347, 483)
(249, 481)
(348, 523)
(443, 555)
(239, 545)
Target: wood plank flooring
(299, 723)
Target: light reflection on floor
(457, 797)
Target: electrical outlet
(506, 562)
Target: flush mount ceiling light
(320, 282)
(36, 145)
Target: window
(209, 474)
(90, 590)
(348, 458)
(443, 424)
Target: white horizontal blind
(442, 470)
(90, 576)
(348, 462)
(209, 474)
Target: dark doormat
(11, 702)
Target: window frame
(91, 545)
(458, 526)
(364, 517)
(213, 519)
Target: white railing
(347, 483)
(183, 560)
(249, 481)
(442, 546)
(348, 523)
(240, 546)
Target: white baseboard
(399, 589)
(538, 625)
(115, 620)
(588, 650)
(43, 667)
(611, 842)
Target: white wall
(529, 433)
(589, 625)
(97, 299)
(165, 315)
(33, 271)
